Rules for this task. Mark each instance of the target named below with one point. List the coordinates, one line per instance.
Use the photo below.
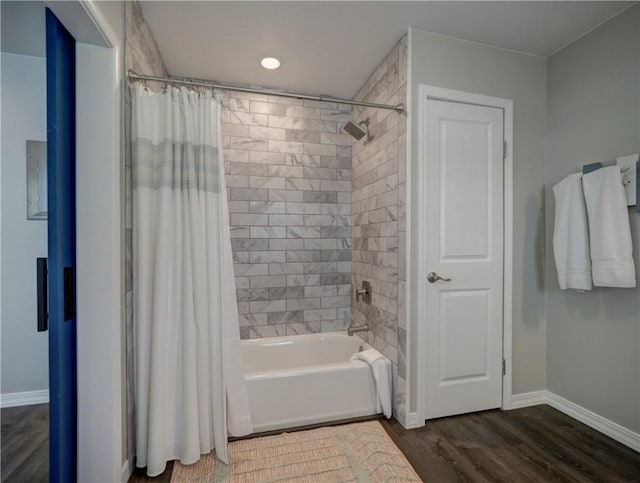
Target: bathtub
(306, 379)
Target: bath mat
(361, 452)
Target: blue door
(61, 149)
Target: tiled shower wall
(142, 55)
(379, 216)
(288, 174)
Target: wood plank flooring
(524, 445)
(140, 476)
(25, 444)
(536, 444)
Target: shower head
(356, 131)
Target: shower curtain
(190, 386)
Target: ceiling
(331, 47)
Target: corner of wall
(379, 186)
(144, 55)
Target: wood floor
(525, 445)
(537, 444)
(24, 444)
(140, 476)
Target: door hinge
(504, 367)
(504, 150)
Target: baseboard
(527, 399)
(13, 399)
(126, 472)
(412, 421)
(599, 423)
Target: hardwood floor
(537, 444)
(526, 445)
(25, 444)
(140, 476)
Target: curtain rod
(231, 87)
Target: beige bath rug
(361, 452)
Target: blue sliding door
(61, 150)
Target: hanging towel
(609, 230)
(381, 368)
(571, 235)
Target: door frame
(99, 229)
(427, 93)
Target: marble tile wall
(142, 55)
(379, 216)
(288, 174)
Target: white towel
(609, 230)
(381, 368)
(571, 235)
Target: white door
(464, 239)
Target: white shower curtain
(189, 374)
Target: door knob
(434, 277)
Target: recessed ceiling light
(270, 63)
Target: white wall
(99, 290)
(24, 350)
(101, 421)
(113, 13)
(593, 339)
(455, 64)
(101, 425)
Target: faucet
(360, 328)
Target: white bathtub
(306, 379)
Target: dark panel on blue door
(61, 148)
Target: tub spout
(360, 328)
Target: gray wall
(288, 174)
(593, 353)
(25, 361)
(459, 65)
(379, 221)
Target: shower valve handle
(364, 293)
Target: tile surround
(288, 173)
(379, 216)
